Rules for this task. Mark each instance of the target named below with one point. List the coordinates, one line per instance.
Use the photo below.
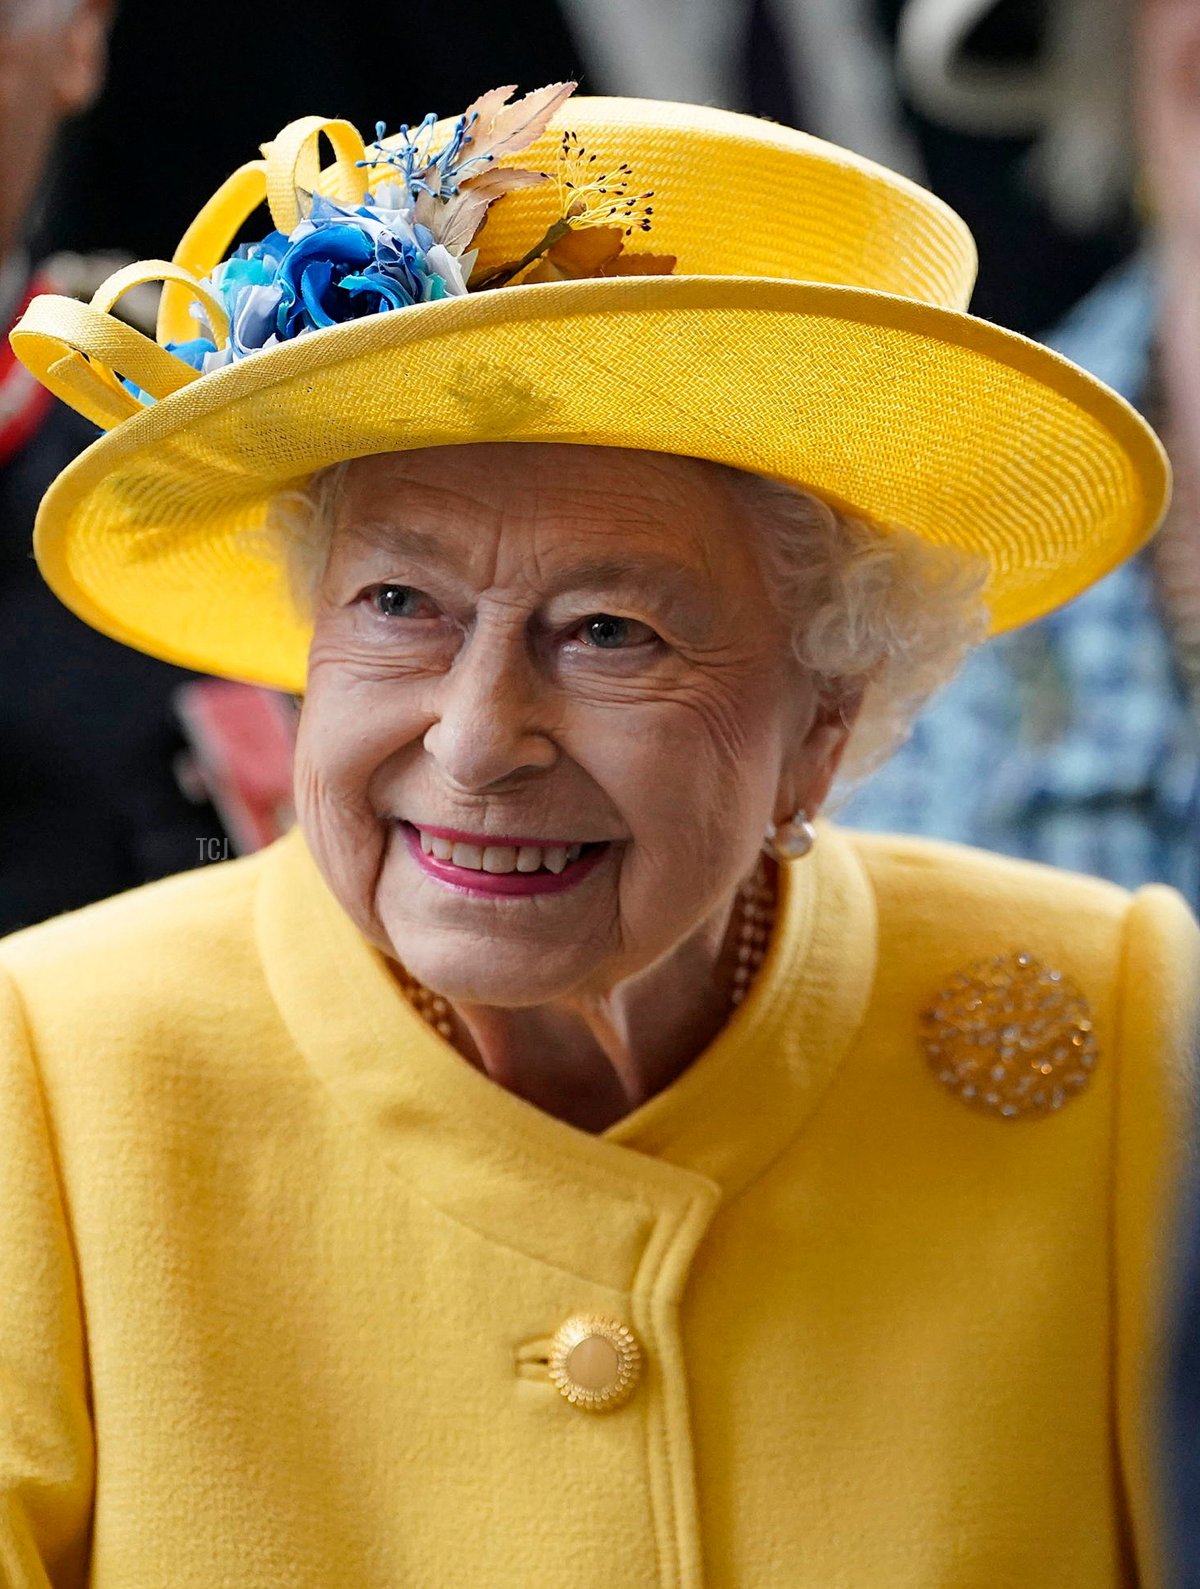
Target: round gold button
(595, 1362)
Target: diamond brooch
(1010, 1036)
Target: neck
(591, 1060)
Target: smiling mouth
(498, 859)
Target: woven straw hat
(813, 331)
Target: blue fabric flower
(341, 263)
(344, 262)
(193, 352)
(250, 295)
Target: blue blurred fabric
(1072, 742)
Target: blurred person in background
(1023, 126)
(89, 800)
(822, 65)
(1076, 742)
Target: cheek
(352, 724)
(693, 778)
(348, 730)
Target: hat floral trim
(411, 238)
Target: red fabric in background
(24, 402)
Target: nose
(490, 705)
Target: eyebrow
(681, 584)
(402, 538)
(634, 573)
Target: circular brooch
(1010, 1036)
(595, 1362)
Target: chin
(503, 952)
(508, 975)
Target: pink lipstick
(469, 881)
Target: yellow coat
(279, 1269)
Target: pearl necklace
(756, 915)
(756, 902)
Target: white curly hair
(876, 613)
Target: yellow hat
(811, 328)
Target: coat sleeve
(1153, 1200)
(46, 1438)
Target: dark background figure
(1076, 741)
(1035, 261)
(176, 118)
(89, 802)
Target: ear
(812, 765)
(82, 56)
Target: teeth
(500, 858)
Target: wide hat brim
(967, 434)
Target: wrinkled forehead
(550, 495)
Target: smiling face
(560, 645)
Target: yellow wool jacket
(280, 1269)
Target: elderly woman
(557, 1161)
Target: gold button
(595, 1362)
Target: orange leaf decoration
(578, 254)
(596, 251)
(485, 108)
(639, 265)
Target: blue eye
(609, 633)
(397, 601)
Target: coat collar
(514, 1173)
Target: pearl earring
(792, 839)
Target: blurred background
(192, 93)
